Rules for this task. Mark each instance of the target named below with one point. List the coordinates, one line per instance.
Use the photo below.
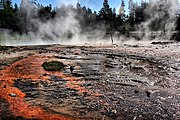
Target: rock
(148, 93)
(161, 67)
(136, 92)
(136, 46)
(78, 74)
(45, 74)
(71, 69)
(114, 111)
(161, 43)
(12, 95)
(137, 68)
(88, 84)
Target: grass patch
(2, 48)
(53, 66)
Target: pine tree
(15, 8)
(106, 14)
(7, 16)
(105, 11)
(122, 3)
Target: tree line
(19, 19)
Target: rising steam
(165, 12)
(67, 30)
(60, 30)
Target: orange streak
(20, 108)
(30, 68)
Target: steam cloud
(165, 11)
(60, 30)
(66, 30)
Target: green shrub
(53, 66)
(3, 48)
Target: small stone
(111, 113)
(71, 68)
(12, 95)
(148, 93)
(114, 111)
(45, 74)
(88, 84)
(136, 92)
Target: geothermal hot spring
(128, 79)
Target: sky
(95, 5)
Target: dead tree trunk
(112, 40)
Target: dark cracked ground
(127, 82)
